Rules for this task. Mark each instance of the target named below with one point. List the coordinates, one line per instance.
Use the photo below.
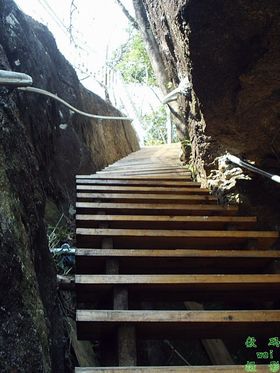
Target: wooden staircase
(147, 233)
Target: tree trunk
(127, 14)
(151, 44)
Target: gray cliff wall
(230, 50)
(38, 164)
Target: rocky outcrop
(42, 147)
(230, 51)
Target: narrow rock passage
(147, 233)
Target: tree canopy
(133, 62)
(155, 126)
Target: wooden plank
(137, 182)
(170, 151)
(149, 238)
(146, 163)
(180, 254)
(146, 167)
(83, 349)
(174, 369)
(271, 235)
(138, 172)
(146, 198)
(153, 170)
(127, 345)
(143, 163)
(126, 339)
(150, 160)
(215, 348)
(145, 176)
(142, 189)
(175, 261)
(180, 287)
(154, 209)
(145, 158)
(179, 324)
(136, 175)
(188, 282)
(165, 221)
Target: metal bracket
(14, 79)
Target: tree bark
(142, 24)
(151, 44)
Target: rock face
(42, 147)
(230, 51)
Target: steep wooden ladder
(147, 233)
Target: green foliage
(155, 126)
(59, 234)
(134, 63)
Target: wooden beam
(180, 287)
(179, 254)
(137, 181)
(215, 348)
(143, 171)
(65, 282)
(172, 177)
(179, 324)
(152, 261)
(155, 209)
(126, 339)
(142, 189)
(189, 282)
(145, 198)
(145, 167)
(164, 222)
(148, 238)
(174, 369)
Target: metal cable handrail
(248, 166)
(23, 82)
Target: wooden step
(137, 182)
(147, 232)
(153, 209)
(142, 189)
(141, 163)
(175, 369)
(150, 162)
(159, 174)
(175, 261)
(145, 198)
(146, 175)
(180, 287)
(134, 176)
(96, 324)
(137, 172)
(150, 171)
(165, 222)
(146, 167)
(179, 239)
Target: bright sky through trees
(97, 26)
